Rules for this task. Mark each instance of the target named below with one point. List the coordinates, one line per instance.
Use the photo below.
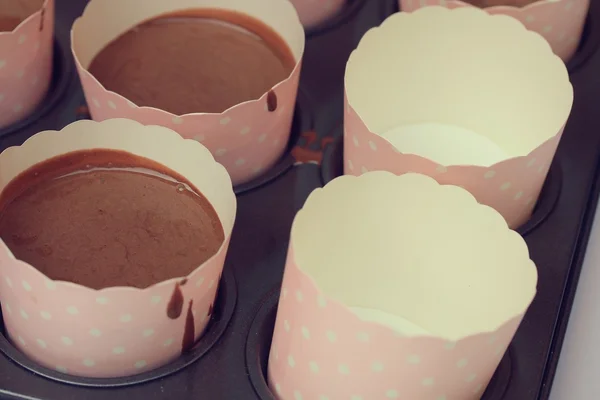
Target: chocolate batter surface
(205, 61)
(104, 228)
(7, 24)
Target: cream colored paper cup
(25, 58)
(247, 138)
(313, 13)
(477, 101)
(117, 331)
(396, 287)
(560, 22)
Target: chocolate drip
(271, 101)
(43, 16)
(188, 331)
(183, 282)
(175, 306)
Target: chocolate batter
(8, 24)
(107, 227)
(201, 61)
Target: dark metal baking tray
(229, 362)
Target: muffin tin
(230, 361)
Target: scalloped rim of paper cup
(45, 4)
(111, 134)
(360, 68)
(312, 251)
(295, 39)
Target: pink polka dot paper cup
(314, 12)
(25, 56)
(478, 102)
(407, 290)
(118, 331)
(247, 138)
(560, 22)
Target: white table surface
(578, 373)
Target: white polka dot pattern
(246, 142)
(559, 22)
(511, 187)
(26, 65)
(314, 12)
(320, 351)
(85, 336)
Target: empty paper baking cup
(560, 22)
(407, 290)
(247, 138)
(25, 56)
(490, 120)
(315, 12)
(117, 331)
